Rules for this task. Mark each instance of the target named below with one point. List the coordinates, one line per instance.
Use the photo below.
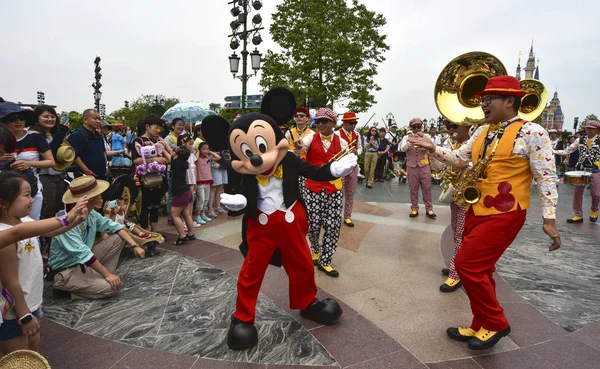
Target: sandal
(190, 237)
(180, 241)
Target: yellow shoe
(431, 214)
(315, 258)
(575, 219)
(329, 270)
(461, 333)
(413, 214)
(593, 216)
(450, 285)
(485, 339)
(348, 222)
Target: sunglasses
(323, 121)
(300, 115)
(417, 126)
(352, 123)
(453, 126)
(14, 117)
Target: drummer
(589, 161)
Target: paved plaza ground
(173, 310)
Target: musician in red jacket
(323, 199)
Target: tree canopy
(143, 106)
(330, 52)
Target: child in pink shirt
(203, 181)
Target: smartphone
(112, 204)
(64, 119)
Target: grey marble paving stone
(123, 319)
(210, 344)
(562, 284)
(182, 305)
(289, 343)
(188, 314)
(64, 311)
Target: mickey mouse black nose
(256, 160)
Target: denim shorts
(10, 329)
(219, 176)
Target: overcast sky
(180, 48)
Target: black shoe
(328, 270)
(477, 344)
(454, 333)
(430, 214)
(369, 186)
(323, 312)
(574, 220)
(241, 335)
(446, 272)
(60, 294)
(413, 214)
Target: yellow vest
(508, 181)
(294, 137)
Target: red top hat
(503, 85)
(302, 109)
(349, 116)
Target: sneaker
(199, 220)
(197, 225)
(212, 214)
(205, 218)
(220, 211)
(170, 222)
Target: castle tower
(537, 70)
(518, 75)
(553, 117)
(530, 66)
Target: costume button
(263, 219)
(277, 198)
(289, 217)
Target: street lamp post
(41, 97)
(96, 85)
(102, 111)
(240, 10)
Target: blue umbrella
(190, 112)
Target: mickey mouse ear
(279, 103)
(215, 129)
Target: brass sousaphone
(535, 101)
(455, 96)
(456, 89)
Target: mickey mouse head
(504, 201)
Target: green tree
(75, 119)
(216, 107)
(143, 106)
(330, 52)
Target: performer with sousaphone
(323, 199)
(349, 182)
(507, 155)
(588, 171)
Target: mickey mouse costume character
(275, 218)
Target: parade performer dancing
(302, 117)
(275, 219)
(352, 138)
(522, 152)
(323, 198)
(460, 134)
(589, 160)
(419, 173)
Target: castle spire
(537, 70)
(530, 65)
(518, 74)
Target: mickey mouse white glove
(233, 202)
(344, 166)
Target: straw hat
(24, 359)
(65, 155)
(81, 186)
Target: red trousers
(289, 236)
(484, 240)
